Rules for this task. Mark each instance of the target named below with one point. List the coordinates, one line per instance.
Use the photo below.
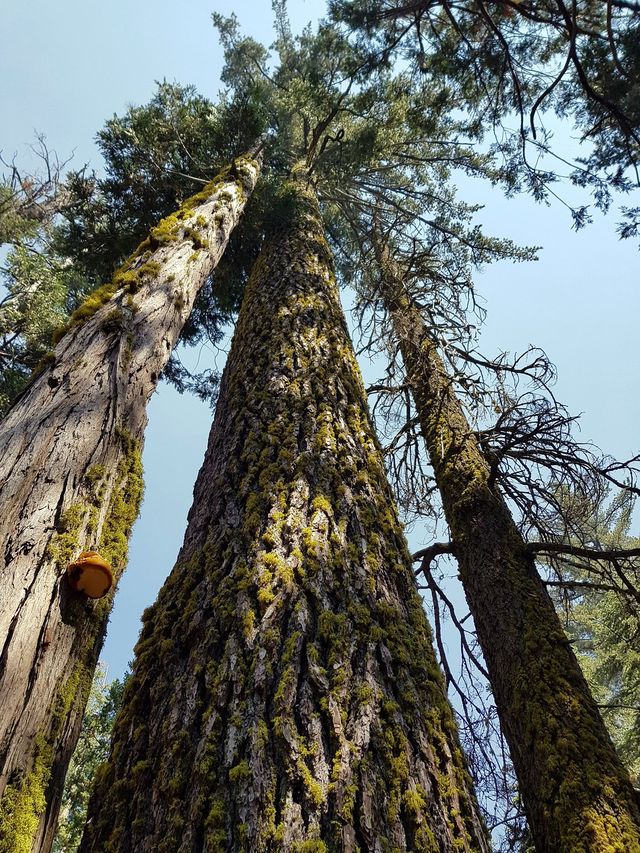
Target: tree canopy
(510, 62)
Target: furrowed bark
(285, 694)
(71, 479)
(577, 795)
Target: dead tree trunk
(71, 479)
(285, 694)
(576, 793)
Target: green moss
(275, 569)
(64, 543)
(321, 504)
(364, 694)
(313, 790)
(94, 482)
(23, 803)
(248, 624)
(124, 506)
(94, 475)
(91, 304)
(263, 734)
(196, 240)
(141, 768)
(113, 322)
(126, 496)
(415, 800)
(216, 835)
(239, 772)
(132, 273)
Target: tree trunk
(71, 479)
(285, 694)
(577, 795)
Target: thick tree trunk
(70, 479)
(285, 694)
(577, 795)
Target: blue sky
(67, 67)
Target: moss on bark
(72, 481)
(577, 795)
(177, 226)
(285, 694)
(25, 801)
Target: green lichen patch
(126, 497)
(64, 542)
(81, 517)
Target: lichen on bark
(285, 694)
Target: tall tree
(577, 794)
(71, 478)
(285, 694)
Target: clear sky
(66, 67)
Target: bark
(285, 695)
(71, 479)
(577, 795)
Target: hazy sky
(66, 67)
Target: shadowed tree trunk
(577, 795)
(71, 479)
(285, 695)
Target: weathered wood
(70, 479)
(285, 695)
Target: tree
(575, 790)
(285, 693)
(71, 478)
(92, 750)
(42, 288)
(597, 595)
(42, 291)
(31, 201)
